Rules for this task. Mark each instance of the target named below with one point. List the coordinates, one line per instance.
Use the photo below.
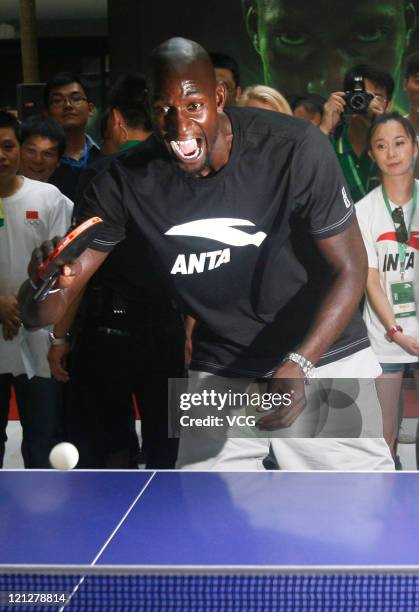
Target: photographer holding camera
(347, 118)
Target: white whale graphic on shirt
(221, 229)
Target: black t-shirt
(238, 245)
(71, 180)
(132, 269)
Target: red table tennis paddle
(66, 251)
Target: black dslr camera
(357, 99)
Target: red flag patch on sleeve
(32, 214)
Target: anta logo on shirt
(222, 230)
(391, 262)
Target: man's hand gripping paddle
(66, 251)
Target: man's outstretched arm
(71, 280)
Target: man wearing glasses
(348, 124)
(67, 101)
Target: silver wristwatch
(306, 365)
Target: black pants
(106, 369)
(39, 402)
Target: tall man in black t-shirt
(234, 204)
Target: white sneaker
(408, 431)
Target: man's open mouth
(186, 150)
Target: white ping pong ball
(64, 456)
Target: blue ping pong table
(181, 541)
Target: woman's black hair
(385, 118)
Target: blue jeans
(39, 402)
(398, 367)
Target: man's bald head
(188, 107)
(177, 56)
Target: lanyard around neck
(402, 246)
(362, 189)
(356, 176)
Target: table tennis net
(107, 592)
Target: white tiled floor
(13, 458)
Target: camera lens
(358, 102)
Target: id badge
(403, 299)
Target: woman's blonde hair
(266, 94)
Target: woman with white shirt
(389, 220)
